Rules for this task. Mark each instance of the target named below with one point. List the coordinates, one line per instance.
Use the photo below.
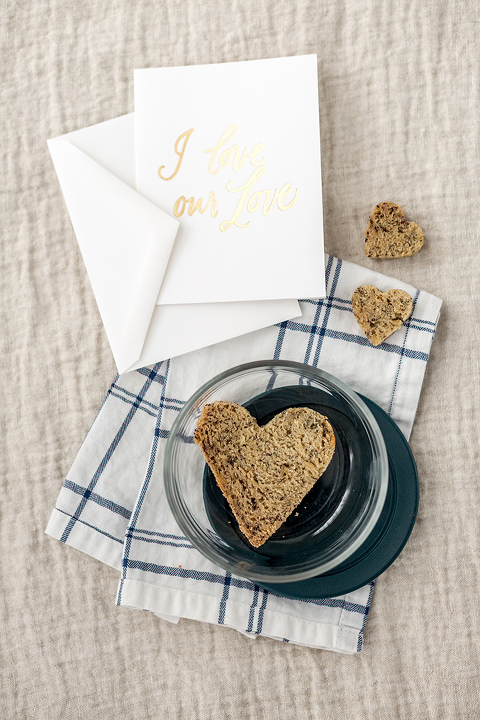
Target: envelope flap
(111, 144)
(125, 243)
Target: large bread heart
(379, 313)
(264, 472)
(389, 235)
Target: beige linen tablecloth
(399, 111)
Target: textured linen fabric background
(399, 110)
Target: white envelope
(126, 241)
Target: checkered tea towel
(113, 506)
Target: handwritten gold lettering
(256, 150)
(180, 152)
(234, 151)
(244, 189)
(253, 202)
(229, 133)
(182, 202)
(223, 154)
(287, 188)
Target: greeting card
(233, 152)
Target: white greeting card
(233, 152)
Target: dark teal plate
(389, 535)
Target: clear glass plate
(336, 516)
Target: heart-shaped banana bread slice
(379, 313)
(389, 235)
(264, 472)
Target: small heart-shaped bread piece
(389, 235)
(264, 472)
(379, 313)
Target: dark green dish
(377, 553)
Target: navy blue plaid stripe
(152, 375)
(365, 615)
(148, 475)
(157, 541)
(130, 401)
(348, 337)
(336, 303)
(187, 573)
(319, 304)
(153, 453)
(161, 535)
(93, 527)
(98, 499)
(420, 328)
(402, 354)
(174, 403)
(134, 396)
(253, 606)
(425, 322)
(146, 372)
(280, 339)
(330, 602)
(385, 347)
(333, 304)
(328, 307)
(144, 405)
(223, 601)
(169, 404)
(261, 612)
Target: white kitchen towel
(113, 506)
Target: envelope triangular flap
(111, 144)
(125, 242)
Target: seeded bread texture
(389, 235)
(380, 314)
(264, 472)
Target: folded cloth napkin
(112, 504)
